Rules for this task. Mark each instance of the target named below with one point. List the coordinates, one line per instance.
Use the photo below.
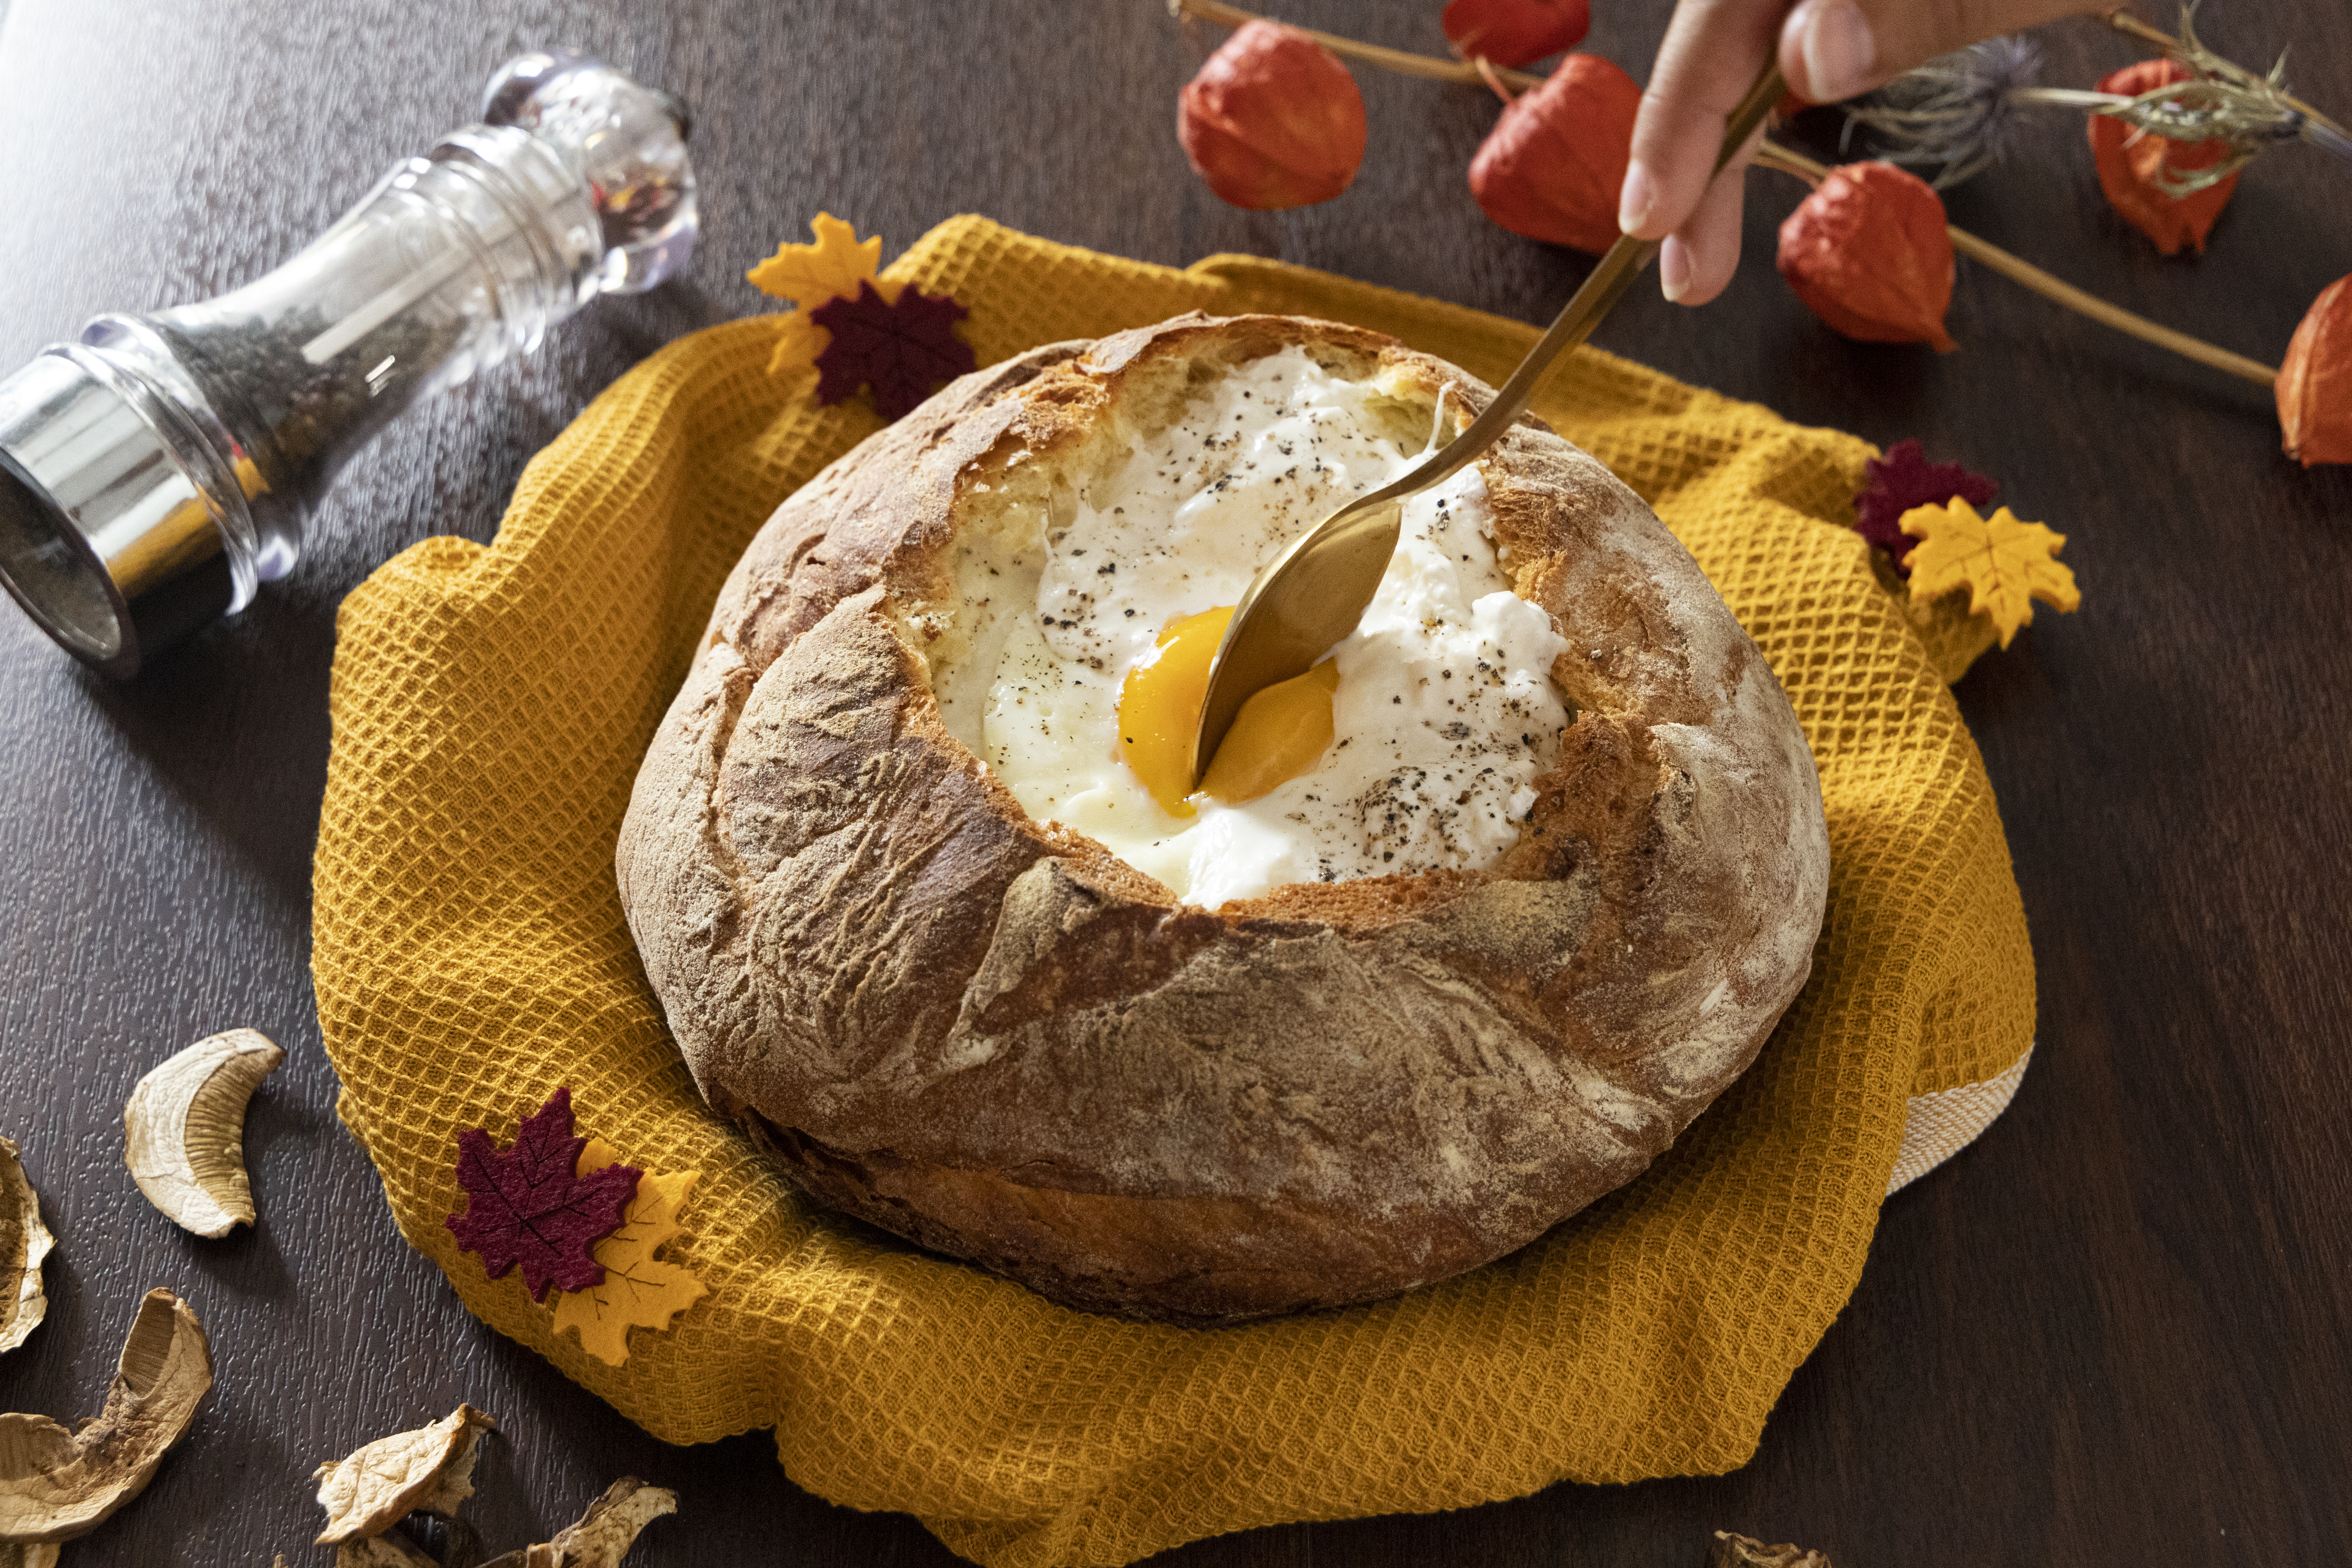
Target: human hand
(1830, 50)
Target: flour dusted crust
(990, 1036)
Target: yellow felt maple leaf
(808, 275)
(639, 1290)
(2005, 564)
(797, 345)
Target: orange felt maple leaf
(2005, 564)
(809, 276)
(638, 1290)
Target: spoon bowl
(1313, 593)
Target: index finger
(1712, 52)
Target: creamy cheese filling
(1446, 711)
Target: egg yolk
(1277, 736)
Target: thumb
(1835, 50)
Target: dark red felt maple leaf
(901, 351)
(1904, 479)
(528, 1203)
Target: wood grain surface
(2114, 1330)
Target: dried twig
(1492, 75)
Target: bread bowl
(982, 1029)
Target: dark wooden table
(2112, 1331)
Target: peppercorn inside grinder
(154, 473)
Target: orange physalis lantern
(2315, 382)
(1515, 32)
(1552, 166)
(1868, 252)
(2132, 164)
(1272, 120)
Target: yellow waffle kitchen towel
(490, 706)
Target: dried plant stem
(1492, 75)
(1402, 61)
(1772, 155)
(2115, 316)
(2066, 97)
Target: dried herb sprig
(2259, 98)
(1958, 111)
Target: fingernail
(1839, 51)
(1673, 270)
(1635, 198)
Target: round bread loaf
(992, 1037)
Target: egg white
(1445, 711)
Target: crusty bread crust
(992, 1037)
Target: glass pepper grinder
(154, 473)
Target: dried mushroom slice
(390, 1550)
(185, 1130)
(37, 1554)
(605, 1533)
(1731, 1550)
(429, 1470)
(55, 1485)
(23, 1242)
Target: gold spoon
(1314, 592)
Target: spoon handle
(1599, 293)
